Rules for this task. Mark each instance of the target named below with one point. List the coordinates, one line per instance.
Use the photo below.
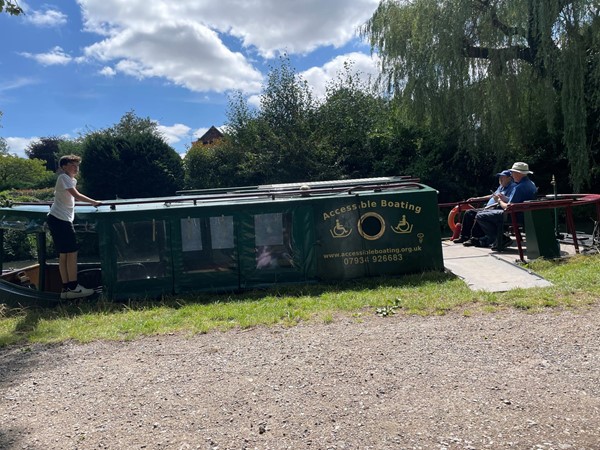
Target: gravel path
(504, 380)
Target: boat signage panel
(385, 234)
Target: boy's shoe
(78, 292)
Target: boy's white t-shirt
(63, 207)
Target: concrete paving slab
(489, 271)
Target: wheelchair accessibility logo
(371, 226)
(340, 231)
(403, 227)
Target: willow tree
(492, 69)
(11, 7)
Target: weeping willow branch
(486, 5)
(484, 66)
(11, 7)
(500, 54)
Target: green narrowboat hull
(15, 296)
(251, 238)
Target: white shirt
(63, 207)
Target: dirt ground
(492, 381)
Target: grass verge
(574, 285)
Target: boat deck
(491, 271)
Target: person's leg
(476, 231)
(65, 242)
(67, 263)
(490, 222)
(62, 268)
(467, 223)
(60, 231)
(68, 267)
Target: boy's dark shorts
(63, 235)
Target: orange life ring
(455, 212)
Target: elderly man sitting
(469, 228)
(491, 220)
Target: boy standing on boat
(60, 221)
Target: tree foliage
(286, 116)
(10, 7)
(20, 173)
(47, 149)
(351, 133)
(216, 165)
(70, 147)
(3, 146)
(129, 160)
(274, 144)
(350, 115)
(492, 69)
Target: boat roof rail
(297, 185)
(251, 195)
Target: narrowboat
(235, 239)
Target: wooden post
(41, 249)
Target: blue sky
(78, 65)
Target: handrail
(296, 185)
(580, 199)
(453, 204)
(535, 205)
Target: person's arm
(480, 199)
(82, 198)
(501, 199)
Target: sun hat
(504, 173)
(521, 167)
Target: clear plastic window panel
(273, 241)
(141, 249)
(208, 244)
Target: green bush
(19, 246)
(28, 195)
(19, 173)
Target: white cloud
(191, 43)
(16, 83)
(17, 145)
(187, 54)
(56, 56)
(46, 18)
(319, 77)
(254, 101)
(270, 26)
(174, 133)
(296, 27)
(108, 72)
